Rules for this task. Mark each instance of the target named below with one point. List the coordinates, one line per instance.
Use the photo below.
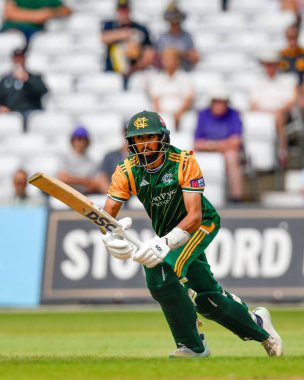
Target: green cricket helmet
(147, 123)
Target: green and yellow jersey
(161, 192)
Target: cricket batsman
(169, 183)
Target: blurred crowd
(165, 65)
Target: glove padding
(117, 246)
(152, 252)
(176, 238)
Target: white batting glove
(152, 252)
(119, 247)
(176, 238)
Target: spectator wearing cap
(178, 38)
(275, 93)
(21, 91)
(219, 129)
(77, 168)
(29, 16)
(129, 46)
(292, 56)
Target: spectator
(107, 167)
(219, 129)
(171, 89)
(21, 91)
(292, 56)
(29, 16)
(274, 93)
(295, 6)
(129, 47)
(177, 37)
(77, 169)
(20, 196)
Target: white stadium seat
(102, 124)
(127, 103)
(250, 7)
(293, 181)
(223, 21)
(77, 63)
(214, 172)
(78, 22)
(205, 81)
(47, 163)
(100, 83)
(200, 7)
(182, 140)
(275, 22)
(51, 43)
(59, 83)
(26, 145)
(74, 103)
(9, 163)
(50, 123)
(11, 40)
(188, 122)
(227, 62)
(260, 140)
(11, 123)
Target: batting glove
(152, 252)
(117, 246)
(176, 238)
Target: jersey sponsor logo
(141, 122)
(163, 198)
(199, 182)
(144, 183)
(167, 178)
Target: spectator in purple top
(219, 129)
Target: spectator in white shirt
(275, 93)
(171, 89)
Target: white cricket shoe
(273, 345)
(185, 352)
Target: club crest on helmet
(141, 122)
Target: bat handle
(132, 239)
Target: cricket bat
(80, 203)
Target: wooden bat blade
(76, 201)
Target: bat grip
(132, 239)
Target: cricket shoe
(185, 352)
(273, 345)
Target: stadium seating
(214, 172)
(260, 140)
(10, 124)
(11, 40)
(59, 83)
(50, 123)
(69, 54)
(100, 83)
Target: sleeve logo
(199, 182)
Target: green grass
(134, 344)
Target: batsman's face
(147, 144)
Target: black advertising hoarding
(258, 255)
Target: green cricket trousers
(187, 268)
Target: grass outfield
(134, 344)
